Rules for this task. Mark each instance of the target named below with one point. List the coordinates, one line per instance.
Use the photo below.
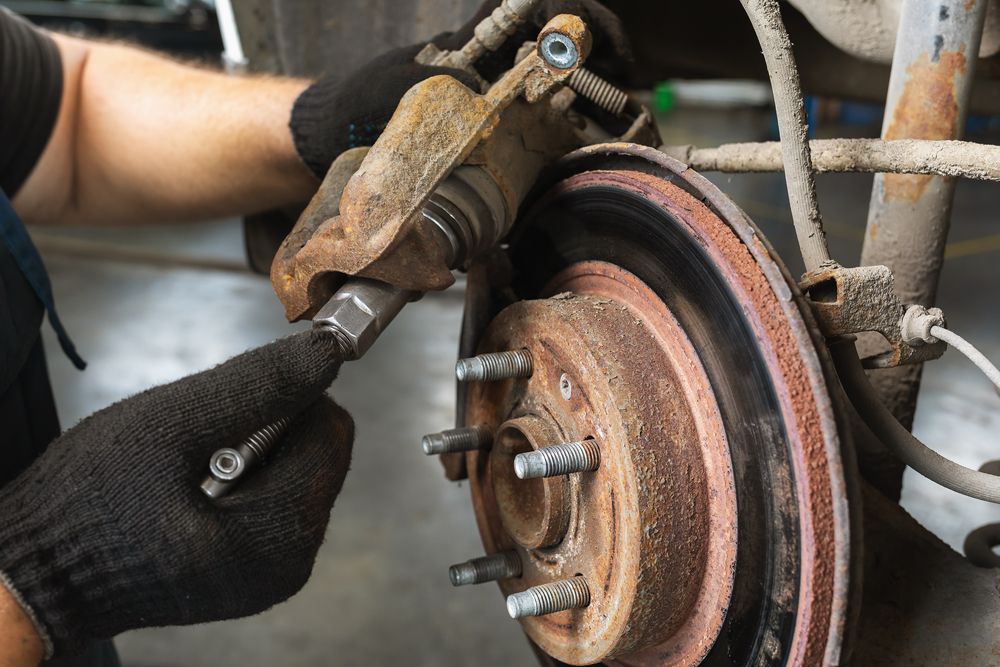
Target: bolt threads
(503, 565)
(246, 455)
(261, 441)
(494, 366)
(599, 91)
(571, 593)
(561, 459)
(462, 439)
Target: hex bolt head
(503, 565)
(571, 593)
(494, 366)
(464, 439)
(561, 459)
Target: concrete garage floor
(379, 594)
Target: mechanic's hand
(109, 531)
(334, 114)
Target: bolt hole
(565, 386)
(558, 48)
(227, 463)
(824, 291)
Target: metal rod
(933, 67)
(964, 159)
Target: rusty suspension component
(373, 230)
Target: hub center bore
(651, 530)
(535, 512)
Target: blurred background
(147, 305)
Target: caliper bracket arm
(373, 233)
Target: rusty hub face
(653, 530)
(716, 528)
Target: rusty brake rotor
(661, 327)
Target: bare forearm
(146, 139)
(20, 645)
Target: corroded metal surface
(861, 299)
(653, 528)
(818, 560)
(909, 215)
(436, 127)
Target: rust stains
(926, 109)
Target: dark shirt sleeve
(30, 92)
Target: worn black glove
(108, 530)
(333, 115)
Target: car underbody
(727, 440)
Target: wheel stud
(503, 565)
(494, 366)
(462, 439)
(561, 459)
(571, 593)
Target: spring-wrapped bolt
(229, 464)
(599, 91)
(494, 567)
(561, 459)
(462, 439)
(571, 593)
(494, 366)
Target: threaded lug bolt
(503, 565)
(462, 439)
(494, 366)
(571, 593)
(561, 459)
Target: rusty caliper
(441, 186)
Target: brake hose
(901, 442)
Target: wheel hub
(653, 529)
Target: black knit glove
(108, 530)
(333, 114)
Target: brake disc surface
(716, 529)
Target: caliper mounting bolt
(494, 366)
(561, 459)
(503, 565)
(463, 439)
(229, 464)
(571, 593)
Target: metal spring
(262, 440)
(571, 593)
(599, 91)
